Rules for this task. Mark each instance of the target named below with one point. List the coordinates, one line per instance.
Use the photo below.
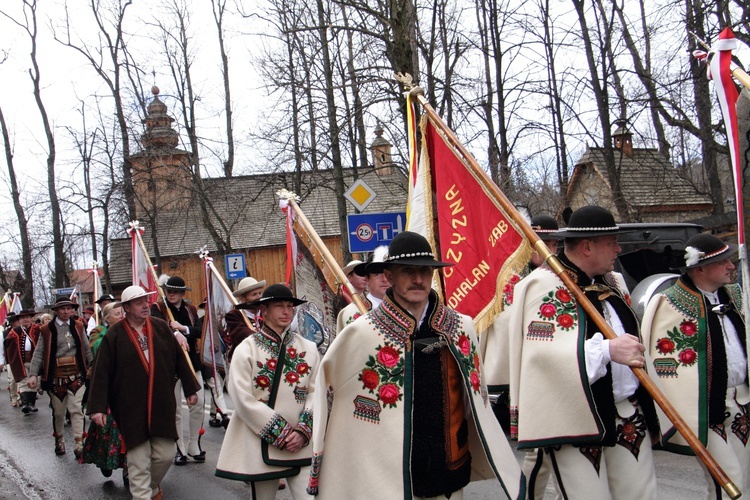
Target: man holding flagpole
(248, 291)
(572, 392)
(187, 327)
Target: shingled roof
(648, 180)
(246, 208)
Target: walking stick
(713, 467)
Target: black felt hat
(64, 301)
(176, 283)
(26, 312)
(274, 293)
(412, 249)
(107, 296)
(374, 264)
(588, 222)
(545, 227)
(703, 249)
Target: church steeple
(159, 132)
(381, 152)
(161, 171)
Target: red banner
(474, 233)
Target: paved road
(30, 469)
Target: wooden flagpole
(161, 293)
(323, 253)
(225, 287)
(708, 460)
(97, 308)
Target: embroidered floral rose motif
(389, 394)
(388, 356)
(295, 366)
(474, 379)
(468, 359)
(665, 346)
(684, 340)
(464, 344)
(262, 382)
(559, 305)
(383, 374)
(356, 315)
(562, 295)
(565, 320)
(271, 364)
(508, 288)
(688, 357)
(547, 310)
(370, 379)
(688, 328)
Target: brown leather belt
(66, 366)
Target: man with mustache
(406, 412)
(572, 392)
(695, 332)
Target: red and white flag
(217, 305)
(4, 307)
(142, 275)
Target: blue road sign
(369, 231)
(63, 291)
(235, 266)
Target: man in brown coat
(135, 368)
(249, 290)
(19, 348)
(62, 357)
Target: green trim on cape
(478, 427)
(408, 416)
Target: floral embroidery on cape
(560, 306)
(383, 374)
(683, 341)
(469, 359)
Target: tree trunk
(218, 10)
(27, 293)
(601, 97)
(333, 130)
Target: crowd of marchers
(397, 404)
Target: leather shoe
(200, 457)
(214, 422)
(180, 459)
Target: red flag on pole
(474, 231)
